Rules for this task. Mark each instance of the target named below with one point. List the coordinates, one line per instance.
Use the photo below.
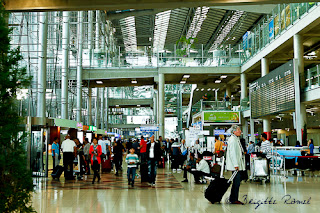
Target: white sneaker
(174, 170)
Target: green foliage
(16, 184)
(186, 44)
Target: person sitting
(298, 144)
(191, 164)
(202, 169)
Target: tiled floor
(169, 195)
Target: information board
(274, 92)
(222, 117)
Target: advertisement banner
(223, 117)
(271, 29)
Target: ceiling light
(99, 82)
(197, 89)
(217, 81)
(182, 82)
(117, 105)
(223, 76)
(202, 89)
(138, 105)
(186, 76)
(209, 89)
(134, 81)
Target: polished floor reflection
(170, 195)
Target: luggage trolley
(258, 168)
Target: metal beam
(136, 13)
(215, 33)
(76, 5)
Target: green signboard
(92, 128)
(223, 117)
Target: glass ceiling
(160, 30)
(128, 28)
(198, 18)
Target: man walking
(69, 149)
(235, 162)
(154, 157)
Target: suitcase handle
(233, 176)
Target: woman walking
(95, 152)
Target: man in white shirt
(266, 149)
(69, 149)
(235, 162)
(202, 169)
(103, 145)
(154, 158)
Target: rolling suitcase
(58, 172)
(144, 172)
(106, 165)
(217, 188)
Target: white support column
(161, 105)
(90, 35)
(244, 86)
(266, 120)
(228, 90)
(65, 64)
(244, 125)
(42, 71)
(107, 108)
(102, 107)
(90, 106)
(252, 137)
(97, 29)
(97, 114)
(79, 65)
(300, 108)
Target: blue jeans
(132, 171)
(234, 195)
(152, 170)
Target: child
(132, 161)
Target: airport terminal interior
(122, 74)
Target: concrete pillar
(97, 109)
(65, 64)
(264, 67)
(228, 90)
(97, 29)
(107, 108)
(161, 105)
(90, 106)
(42, 71)
(252, 137)
(300, 108)
(102, 107)
(266, 120)
(90, 35)
(244, 129)
(244, 85)
(79, 65)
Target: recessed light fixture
(117, 105)
(223, 76)
(99, 82)
(134, 81)
(182, 82)
(197, 89)
(202, 89)
(138, 106)
(217, 81)
(186, 76)
(209, 89)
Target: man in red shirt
(143, 150)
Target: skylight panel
(160, 29)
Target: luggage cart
(258, 169)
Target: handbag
(184, 152)
(216, 168)
(220, 154)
